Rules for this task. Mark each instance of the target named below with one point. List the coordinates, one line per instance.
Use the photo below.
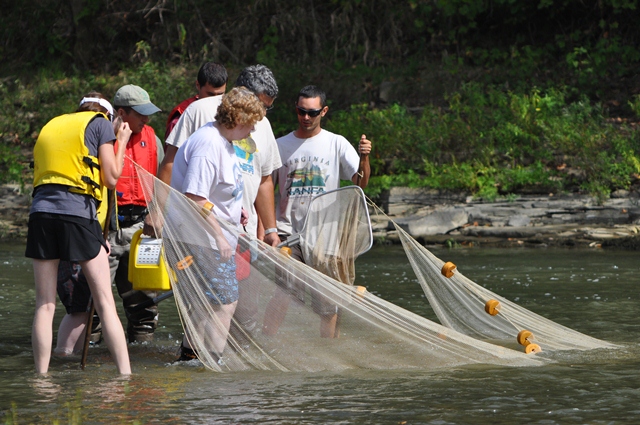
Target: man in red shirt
(212, 81)
(132, 104)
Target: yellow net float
(361, 290)
(448, 269)
(524, 337)
(286, 251)
(532, 349)
(492, 307)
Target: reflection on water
(592, 291)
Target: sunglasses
(311, 112)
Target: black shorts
(64, 237)
(73, 288)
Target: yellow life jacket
(103, 208)
(60, 155)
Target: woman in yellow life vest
(73, 160)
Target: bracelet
(270, 230)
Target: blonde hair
(240, 107)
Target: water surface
(592, 291)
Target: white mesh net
(473, 310)
(230, 335)
(336, 231)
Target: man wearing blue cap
(133, 106)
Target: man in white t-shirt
(314, 161)
(257, 155)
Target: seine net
(463, 305)
(332, 241)
(274, 323)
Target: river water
(592, 291)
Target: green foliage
(268, 54)
(634, 103)
(492, 143)
(452, 244)
(521, 39)
(486, 140)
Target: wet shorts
(64, 237)
(73, 288)
(320, 304)
(218, 278)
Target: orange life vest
(178, 110)
(142, 149)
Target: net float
(532, 349)
(524, 337)
(492, 307)
(286, 251)
(185, 263)
(448, 269)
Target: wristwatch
(270, 230)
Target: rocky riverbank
(436, 218)
(14, 212)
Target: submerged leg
(275, 312)
(329, 326)
(97, 272)
(45, 276)
(71, 334)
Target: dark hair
(309, 92)
(127, 109)
(213, 74)
(259, 79)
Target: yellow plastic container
(147, 270)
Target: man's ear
(324, 111)
(121, 113)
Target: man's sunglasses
(311, 112)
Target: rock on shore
(434, 217)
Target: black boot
(186, 354)
(142, 323)
(96, 330)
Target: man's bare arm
(266, 209)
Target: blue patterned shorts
(219, 276)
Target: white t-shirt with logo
(254, 165)
(206, 165)
(309, 167)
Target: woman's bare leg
(45, 274)
(98, 276)
(71, 334)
